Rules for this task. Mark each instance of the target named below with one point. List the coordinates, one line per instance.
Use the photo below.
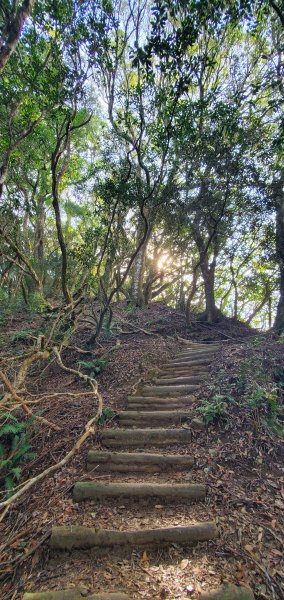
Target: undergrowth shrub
(94, 367)
(10, 304)
(253, 383)
(37, 303)
(22, 335)
(215, 408)
(15, 448)
(106, 415)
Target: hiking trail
(151, 444)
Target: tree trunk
(180, 301)
(207, 268)
(39, 236)
(236, 295)
(269, 312)
(279, 205)
(191, 296)
(208, 274)
(11, 36)
(63, 249)
(138, 276)
(137, 294)
(260, 306)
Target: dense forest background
(141, 149)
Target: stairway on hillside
(156, 419)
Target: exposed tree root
(14, 395)
(89, 430)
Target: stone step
(68, 537)
(140, 438)
(92, 490)
(173, 390)
(138, 461)
(177, 380)
(143, 416)
(74, 594)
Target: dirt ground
(240, 463)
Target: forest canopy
(141, 156)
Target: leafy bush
(14, 448)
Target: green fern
(15, 448)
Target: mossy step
(187, 362)
(158, 407)
(196, 353)
(173, 390)
(228, 591)
(194, 345)
(158, 404)
(74, 594)
(92, 490)
(138, 461)
(182, 372)
(189, 353)
(140, 438)
(195, 356)
(177, 380)
(174, 416)
(72, 536)
(150, 399)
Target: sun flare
(164, 261)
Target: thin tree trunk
(180, 301)
(56, 178)
(191, 296)
(63, 249)
(234, 283)
(27, 268)
(39, 236)
(137, 295)
(269, 311)
(259, 307)
(138, 277)
(279, 205)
